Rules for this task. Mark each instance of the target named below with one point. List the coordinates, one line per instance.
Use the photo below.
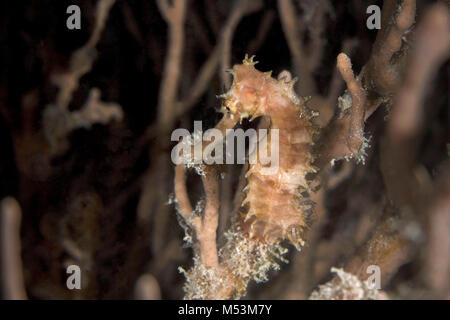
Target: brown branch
(399, 145)
(436, 264)
(387, 248)
(263, 30)
(199, 30)
(336, 83)
(289, 22)
(383, 73)
(174, 16)
(58, 121)
(201, 82)
(184, 204)
(205, 227)
(165, 9)
(431, 49)
(240, 8)
(210, 221)
(82, 59)
(11, 267)
(390, 246)
(131, 23)
(147, 288)
(355, 136)
(344, 136)
(316, 29)
(325, 105)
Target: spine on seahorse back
(276, 205)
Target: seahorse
(276, 206)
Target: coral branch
(344, 136)
(82, 59)
(207, 234)
(174, 15)
(383, 72)
(184, 204)
(431, 49)
(436, 264)
(205, 227)
(240, 8)
(263, 29)
(289, 22)
(404, 129)
(58, 120)
(11, 267)
(356, 123)
(147, 288)
(388, 249)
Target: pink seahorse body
(276, 204)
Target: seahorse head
(254, 93)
